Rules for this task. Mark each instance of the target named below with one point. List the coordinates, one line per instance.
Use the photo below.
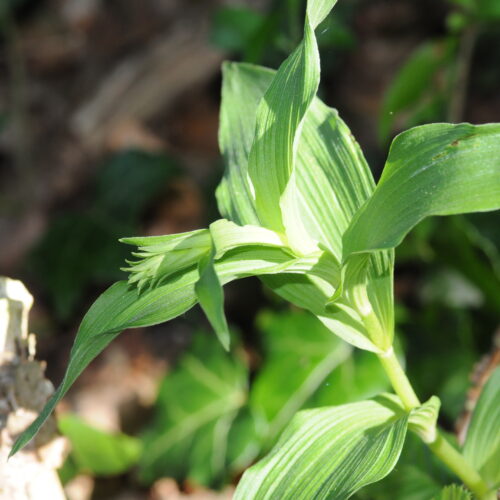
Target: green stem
(399, 380)
(457, 463)
(440, 447)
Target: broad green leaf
(196, 406)
(482, 443)
(299, 353)
(454, 492)
(279, 116)
(210, 295)
(329, 453)
(97, 452)
(438, 169)
(410, 84)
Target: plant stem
(457, 463)
(440, 447)
(399, 380)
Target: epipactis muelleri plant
(301, 211)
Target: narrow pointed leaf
(437, 169)
(279, 117)
(210, 295)
(329, 453)
(482, 444)
(131, 308)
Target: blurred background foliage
(108, 128)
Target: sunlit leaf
(329, 453)
(210, 295)
(438, 169)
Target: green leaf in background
(454, 492)
(359, 377)
(411, 84)
(482, 443)
(299, 354)
(437, 169)
(329, 453)
(233, 28)
(196, 406)
(97, 452)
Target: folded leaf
(279, 117)
(482, 444)
(329, 453)
(437, 169)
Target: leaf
(423, 420)
(97, 452)
(234, 27)
(195, 409)
(454, 492)
(410, 84)
(359, 377)
(131, 308)
(279, 116)
(210, 295)
(333, 182)
(299, 354)
(438, 169)
(482, 443)
(329, 453)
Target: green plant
(303, 213)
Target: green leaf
(131, 308)
(329, 453)
(423, 420)
(97, 452)
(410, 84)
(333, 181)
(210, 295)
(299, 354)
(482, 443)
(279, 117)
(454, 492)
(438, 169)
(196, 406)
(233, 28)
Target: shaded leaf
(454, 492)
(194, 412)
(97, 452)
